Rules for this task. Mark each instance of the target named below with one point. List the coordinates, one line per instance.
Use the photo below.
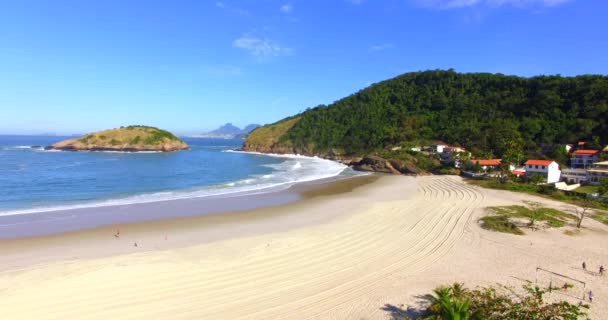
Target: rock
(375, 164)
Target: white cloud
(355, 1)
(381, 47)
(231, 9)
(286, 8)
(450, 4)
(222, 70)
(261, 47)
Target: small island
(124, 139)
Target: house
(438, 147)
(574, 175)
(491, 164)
(548, 169)
(583, 158)
(487, 164)
(519, 172)
(452, 149)
(598, 172)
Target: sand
(365, 254)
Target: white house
(597, 173)
(438, 147)
(574, 175)
(548, 169)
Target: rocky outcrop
(375, 164)
(124, 139)
(270, 139)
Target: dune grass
(502, 219)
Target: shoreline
(188, 194)
(255, 212)
(361, 252)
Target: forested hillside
(487, 113)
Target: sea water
(33, 180)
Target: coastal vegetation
(492, 115)
(576, 198)
(510, 219)
(132, 138)
(456, 302)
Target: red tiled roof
(585, 152)
(539, 162)
(489, 162)
(519, 172)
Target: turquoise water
(34, 180)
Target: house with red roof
(584, 158)
(548, 169)
(487, 163)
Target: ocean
(33, 180)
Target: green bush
(497, 303)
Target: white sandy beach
(356, 255)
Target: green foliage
(603, 188)
(86, 138)
(157, 136)
(487, 113)
(114, 142)
(500, 223)
(457, 302)
(136, 140)
(507, 185)
(500, 218)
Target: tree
(582, 210)
(535, 212)
(603, 189)
(536, 178)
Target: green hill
(131, 139)
(490, 114)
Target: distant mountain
(229, 131)
(250, 128)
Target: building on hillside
(453, 149)
(574, 176)
(521, 172)
(438, 148)
(583, 158)
(598, 172)
(486, 164)
(548, 169)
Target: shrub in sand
(503, 219)
(455, 302)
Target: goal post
(554, 282)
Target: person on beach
(590, 296)
(135, 244)
(601, 270)
(584, 266)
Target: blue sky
(189, 66)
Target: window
(543, 167)
(535, 167)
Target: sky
(69, 67)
